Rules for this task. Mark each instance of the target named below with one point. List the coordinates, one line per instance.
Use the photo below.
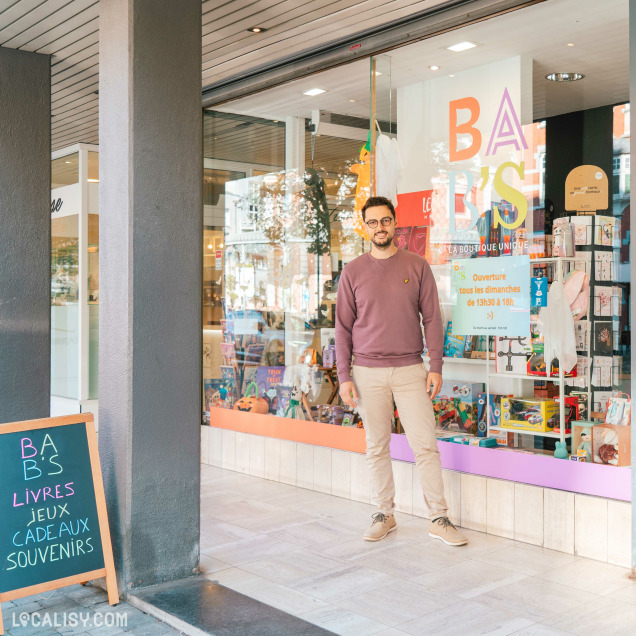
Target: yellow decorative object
(363, 189)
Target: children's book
(402, 237)
(267, 380)
(228, 352)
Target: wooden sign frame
(108, 571)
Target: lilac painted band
(611, 482)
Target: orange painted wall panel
(340, 437)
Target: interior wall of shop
(25, 237)
(150, 279)
(580, 138)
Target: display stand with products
(536, 416)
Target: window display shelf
(462, 360)
(520, 431)
(525, 376)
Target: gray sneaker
(443, 529)
(381, 526)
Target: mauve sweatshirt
(378, 311)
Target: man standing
(380, 298)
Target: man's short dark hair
(374, 202)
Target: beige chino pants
(377, 387)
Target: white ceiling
(68, 30)
(598, 30)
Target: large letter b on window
(466, 128)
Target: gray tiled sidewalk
(302, 551)
(38, 614)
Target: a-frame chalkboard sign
(53, 522)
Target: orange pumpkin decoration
(252, 403)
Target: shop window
(503, 171)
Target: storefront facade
(512, 169)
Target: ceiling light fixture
(461, 46)
(68, 162)
(353, 101)
(451, 75)
(564, 77)
(434, 67)
(312, 92)
(570, 43)
(257, 30)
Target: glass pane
(93, 167)
(93, 303)
(64, 307)
(65, 171)
(289, 224)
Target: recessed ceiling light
(257, 30)
(451, 75)
(570, 43)
(434, 67)
(461, 46)
(564, 77)
(210, 246)
(67, 162)
(276, 121)
(312, 92)
(352, 101)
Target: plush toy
(294, 409)
(252, 403)
(608, 452)
(561, 451)
(586, 444)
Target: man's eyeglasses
(386, 221)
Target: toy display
(494, 405)
(619, 410)
(328, 414)
(455, 345)
(512, 354)
(294, 408)
(571, 415)
(252, 403)
(561, 451)
(489, 442)
(530, 414)
(455, 406)
(611, 444)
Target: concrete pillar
(25, 235)
(150, 125)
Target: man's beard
(382, 242)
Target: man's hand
(433, 384)
(349, 395)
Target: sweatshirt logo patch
(406, 280)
